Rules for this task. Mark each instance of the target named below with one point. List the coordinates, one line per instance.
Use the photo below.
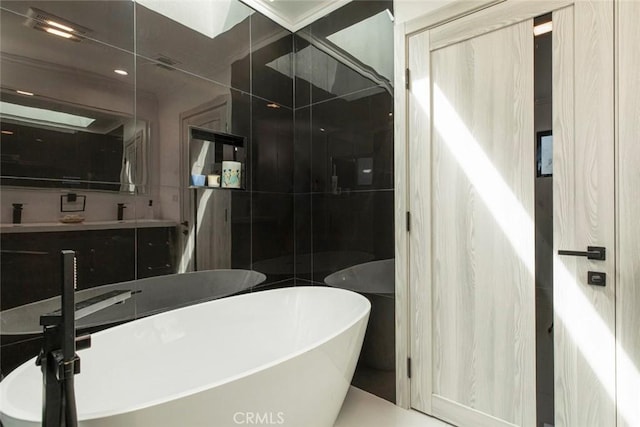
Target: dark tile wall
(349, 229)
(343, 178)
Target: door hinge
(407, 79)
(409, 367)
(408, 221)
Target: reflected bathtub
(152, 295)
(375, 277)
(376, 281)
(282, 357)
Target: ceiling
(295, 14)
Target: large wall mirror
(68, 100)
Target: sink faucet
(121, 208)
(58, 359)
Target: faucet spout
(88, 306)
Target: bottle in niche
(150, 213)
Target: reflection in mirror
(334, 53)
(353, 31)
(49, 143)
(188, 108)
(67, 110)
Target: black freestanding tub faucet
(58, 359)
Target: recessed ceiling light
(390, 114)
(547, 27)
(58, 33)
(321, 129)
(7, 132)
(273, 105)
(61, 26)
(24, 92)
(121, 72)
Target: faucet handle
(83, 342)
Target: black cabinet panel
(156, 252)
(29, 268)
(107, 258)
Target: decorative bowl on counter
(72, 219)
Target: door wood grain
(628, 172)
(584, 214)
(472, 251)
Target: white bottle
(334, 181)
(150, 214)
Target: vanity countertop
(43, 227)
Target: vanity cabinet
(29, 270)
(105, 256)
(156, 251)
(30, 261)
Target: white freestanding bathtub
(279, 357)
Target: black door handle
(593, 252)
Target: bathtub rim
(260, 279)
(21, 415)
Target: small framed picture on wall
(544, 153)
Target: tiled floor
(364, 409)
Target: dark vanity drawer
(29, 268)
(156, 254)
(108, 257)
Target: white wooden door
(584, 214)
(628, 172)
(472, 234)
(470, 114)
